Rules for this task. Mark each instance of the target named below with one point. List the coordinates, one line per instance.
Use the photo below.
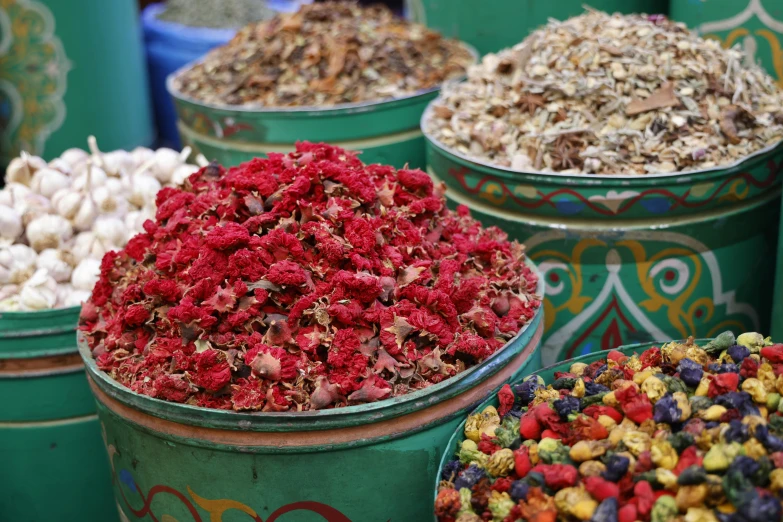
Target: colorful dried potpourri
(682, 433)
(325, 54)
(305, 281)
(610, 94)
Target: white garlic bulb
(61, 165)
(85, 216)
(31, 207)
(111, 230)
(39, 292)
(8, 290)
(10, 223)
(118, 163)
(142, 155)
(182, 173)
(86, 274)
(108, 203)
(47, 181)
(22, 169)
(130, 220)
(77, 297)
(58, 263)
(87, 245)
(142, 189)
(74, 157)
(89, 178)
(17, 263)
(115, 187)
(67, 202)
(48, 231)
(166, 160)
(13, 193)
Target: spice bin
(386, 132)
(502, 23)
(634, 259)
(48, 427)
(190, 462)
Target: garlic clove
(89, 178)
(67, 202)
(77, 298)
(74, 157)
(61, 165)
(115, 186)
(17, 263)
(22, 169)
(108, 203)
(86, 245)
(118, 163)
(58, 263)
(47, 181)
(141, 155)
(166, 160)
(48, 231)
(182, 173)
(111, 230)
(85, 216)
(31, 207)
(10, 223)
(142, 189)
(86, 274)
(39, 292)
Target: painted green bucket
(70, 69)
(777, 305)
(548, 374)
(386, 132)
(631, 259)
(53, 463)
(756, 25)
(491, 25)
(368, 463)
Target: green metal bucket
(756, 25)
(385, 132)
(69, 69)
(634, 258)
(777, 305)
(496, 24)
(53, 464)
(368, 463)
(548, 374)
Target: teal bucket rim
(594, 180)
(459, 432)
(39, 314)
(325, 419)
(299, 111)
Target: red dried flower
(306, 281)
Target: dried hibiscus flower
(304, 281)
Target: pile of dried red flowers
(304, 281)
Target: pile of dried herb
(601, 94)
(216, 14)
(680, 433)
(304, 281)
(325, 54)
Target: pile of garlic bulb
(57, 220)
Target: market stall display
(685, 431)
(338, 308)
(57, 220)
(495, 25)
(624, 151)
(353, 76)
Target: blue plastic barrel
(169, 46)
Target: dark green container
(548, 374)
(491, 25)
(53, 463)
(70, 69)
(756, 25)
(777, 306)
(631, 259)
(373, 462)
(385, 132)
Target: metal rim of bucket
(596, 180)
(35, 324)
(459, 433)
(312, 111)
(357, 416)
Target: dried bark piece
(660, 99)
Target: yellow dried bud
(485, 422)
(754, 421)
(754, 449)
(698, 355)
(700, 515)
(776, 479)
(637, 442)
(610, 400)
(779, 383)
(654, 388)
(690, 497)
(640, 377)
(616, 435)
(681, 398)
(576, 502)
(703, 387)
(721, 455)
(533, 454)
(579, 389)
(501, 463)
(767, 376)
(663, 454)
(607, 422)
(667, 478)
(756, 390)
(712, 413)
(578, 368)
(591, 468)
(587, 450)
